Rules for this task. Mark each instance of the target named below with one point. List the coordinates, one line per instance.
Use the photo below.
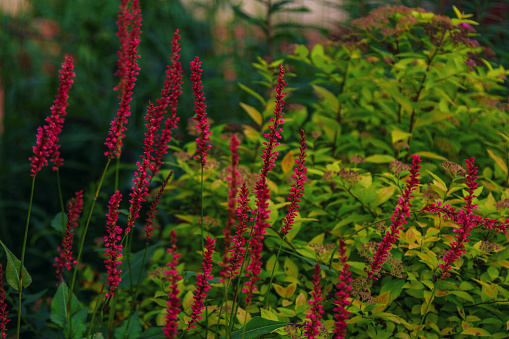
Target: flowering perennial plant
(65, 259)
(200, 294)
(202, 126)
(47, 136)
(113, 247)
(269, 157)
(297, 190)
(398, 219)
(128, 70)
(173, 277)
(344, 287)
(150, 216)
(169, 96)
(3, 306)
(233, 181)
(314, 323)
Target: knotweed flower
(74, 208)
(465, 222)
(3, 306)
(262, 191)
(232, 263)
(173, 309)
(312, 327)
(233, 181)
(47, 136)
(201, 114)
(169, 96)
(398, 219)
(200, 294)
(343, 288)
(153, 207)
(128, 70)
(297, 190)
(112, 244)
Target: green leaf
(253, 93)
(153, 333)
(56, 223)
(12, 270)
(463, 295)
(499, 161)
(382, 195)
(431, 117)
(478, 332)
(398, 135)
(327, 96)
(431, 155)
(253, 113)
(380, 158)
(134, 331)
(78, 325)
(59, 305)
(317, 55)
(256, 327)
(136, 266)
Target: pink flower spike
(128, 70)
(174, 305)
(233, 181)
(401, 212)
(153, 207)
(169, 96)
(297, 190)
(47, 136)
(112, 243)
(312, 327)
(3, 306)
(74, 208)
(200, 294)
(343, 288)
(202, 127)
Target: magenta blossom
(344, 287)
(173, 277)
(112, 244)
(233, 181)
(312, 327)
(47, 136)
(203, 128)
(3, 306)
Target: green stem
(61, 202)
(272, 274)
(203, 249)
(20, 283)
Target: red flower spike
(128, 70)
(343, 293)
(65, 259)
(169, 96)
(173, 277)
(262, 191)
(3, 306)
(47, 136)
(465, 220)
(312, 327)
(203, 283)
(112, 243)
(202, 127)
(297, 190)
(233, 181)
(153, 207)
(401, 212)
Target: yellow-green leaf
(253, 113)
(13, 269)
(380, 158)
(251, 133)
(398, 135)
(431, 155)
(382, 195)
(478, 332)
(327, 96)
(499, 161)
(287, 162)
(290, 290)
(280, 290)
(291, 269)
(266, 314)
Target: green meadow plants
(346, 215)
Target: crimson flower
(297, 190)
(47, 136)
(169, 96)
(398, 219)
(128, 70)
(173, 309)
(343, 288)
(233, 180)
(112, 243)
(202, 127)
(316, 306)
(200, 294)
(74, 208)
(3, 306)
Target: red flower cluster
(233, 181)
(203, 283)
(202, 127)
(173, 309)
(74, 208)
(47, 136)
(3, 306)
(343, 288)
(153, 207)
(312, 327)
(398, 219)
(297, 190)
(113, 247)
(127, 70)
